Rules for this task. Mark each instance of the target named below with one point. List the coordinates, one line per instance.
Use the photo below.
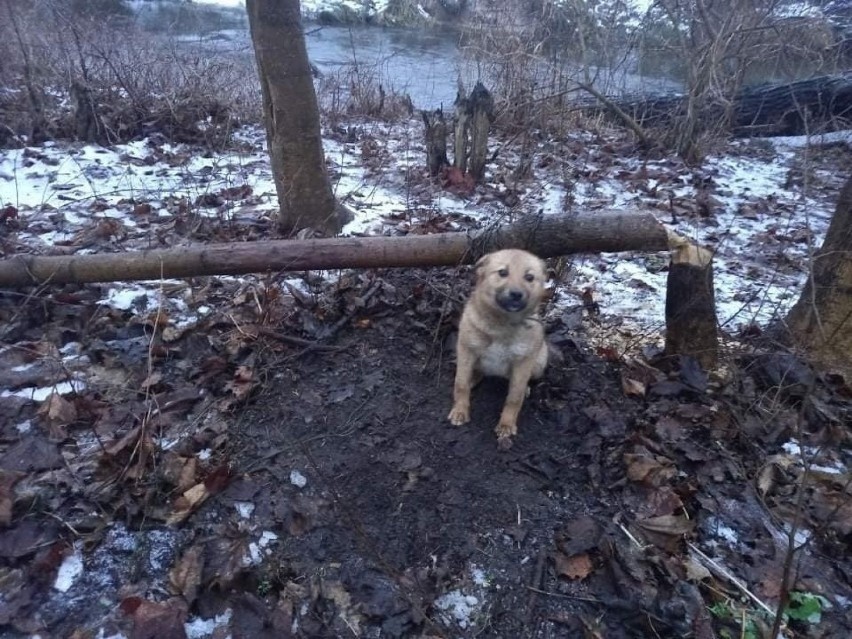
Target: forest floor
(270, 456)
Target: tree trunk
(691, 305)
(821, 321)
(291, 115)
(547, 236)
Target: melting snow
(458, 607)
(69, 571)
(199, 628)
(298, 479)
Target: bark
(691, 305)
(291, 115)
(821, 321)
(460, 133)
(481, 115)
(547, 236)
(436, 140)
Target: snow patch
(69, 571)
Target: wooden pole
(547, 236)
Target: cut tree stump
(436, 140)
(460, 133)
(474, 115)
(691, 327)
(481, 106)
(547, 236)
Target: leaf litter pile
(270, 456)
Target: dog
(501, 335)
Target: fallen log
(547, 236)
(793, 108)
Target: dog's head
(511, 281)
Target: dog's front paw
(505, 432)
(504, 442)
(459, 415)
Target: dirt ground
(266, 485)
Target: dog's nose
(516, 296)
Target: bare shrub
(135, 83)
(362, 89)
(718, 46)
(538, 56)
(543, 60)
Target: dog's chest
(497, 358)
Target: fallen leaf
(156, 620)
(646, 468)
(695, 570)
(632, 387)
(675, 525)
(187, 503)
(59, 413)
(180, 471)
(577, 567)
(666, 531)
(579, 536)
(241, 384)
(152, 380)
(185, 575)
(8, 479)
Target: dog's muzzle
(512, 300)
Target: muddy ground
(285, 469)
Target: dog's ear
(479, 267)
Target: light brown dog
(501, 335)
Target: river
(424, 63)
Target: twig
(722, 572)
(335, 328)
(295, 341)
(534, 586)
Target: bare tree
(291, 116)
(821, 321)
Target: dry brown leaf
(647, 468)
(185, 575)
(180, 471)
(58, 412)
(186, 504)
(577, 567)
(173, 333)
(8, 479)
(668, 525)
(152, 380)
(156, 620)
(632, 387)
(242, 383)
(695, 570)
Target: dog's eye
(503, 272)
(529, 277)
